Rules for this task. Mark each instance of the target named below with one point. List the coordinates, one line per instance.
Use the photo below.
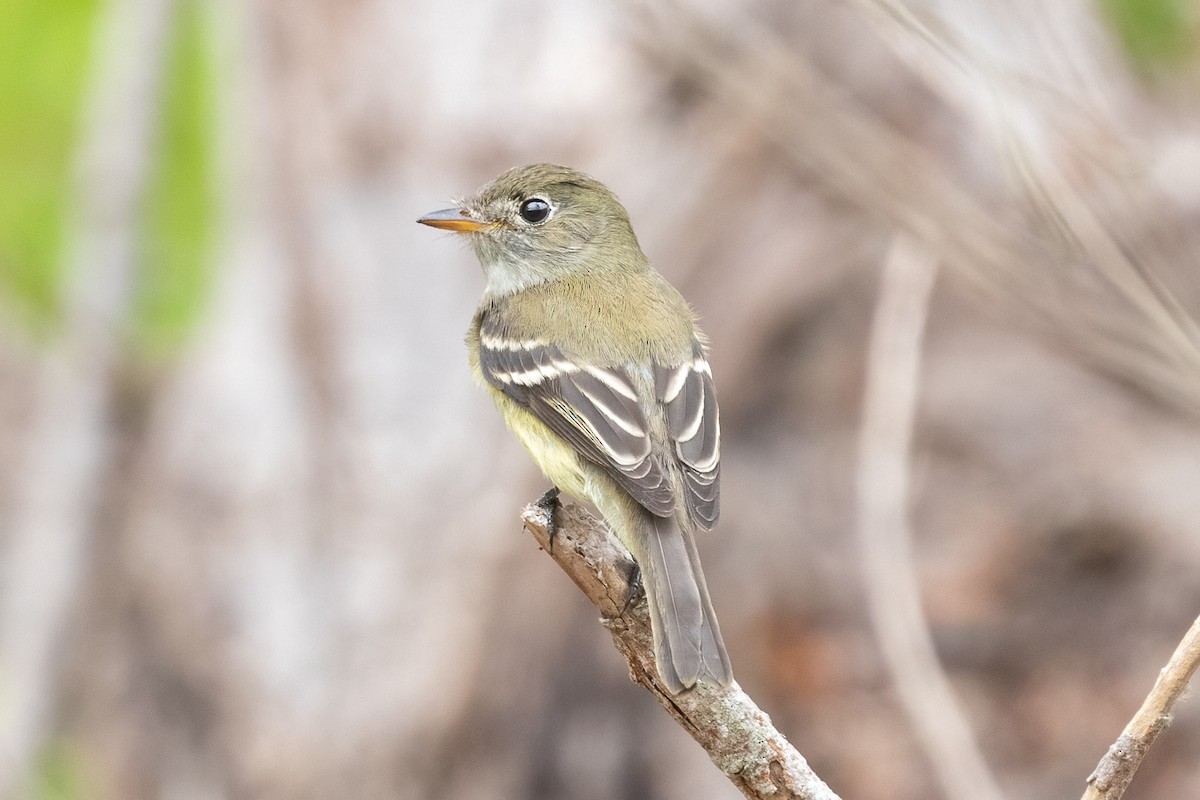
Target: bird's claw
(634, 588)
(550, 504)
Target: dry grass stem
(1052, 259)
(885, 537)
(1001, 107)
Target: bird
(599, 367)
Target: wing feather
(689, 398)
(594, 409)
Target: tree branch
(736, 734)
(1116, 769)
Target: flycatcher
(598, 366)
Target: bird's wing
(689, 397)
(594, 409)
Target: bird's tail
(687, 640)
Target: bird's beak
(452, 219)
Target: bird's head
(542, 222)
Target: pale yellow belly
(554, 457)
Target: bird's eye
(535, 210)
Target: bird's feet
(634, 589)
(550, 504)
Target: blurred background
(259, 533)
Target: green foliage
(47, 52)
(58, 774)
(1154, 32)
(46, 46)
(180, 202)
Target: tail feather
(687, 640)
(716, 667)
